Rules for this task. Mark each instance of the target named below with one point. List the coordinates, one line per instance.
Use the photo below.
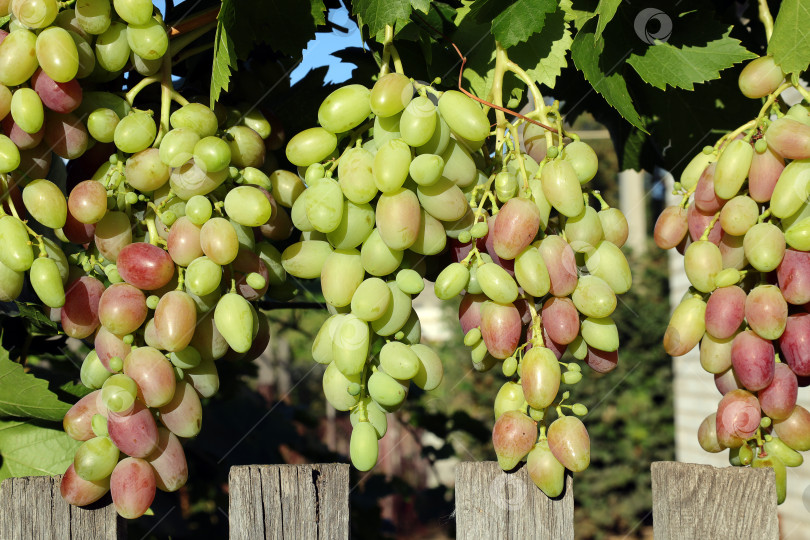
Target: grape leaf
(22, 394)
(376, 14)
(224, 53)
(75, 389)
(554, 60)
(790, 42)
(577, 16)
(605, 10)
(32, 450)
(521, 20)
(318, 12)
(421, 5)
(38, 323)
(663, 64)
(603, 73)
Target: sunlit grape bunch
(743, 226)
(401, 173)
(153, 248)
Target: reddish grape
(154, 374)
(183, 243)
(78, 232)
(21, 138)
(561, 264)
(779, 398)
(108, 345)
(793, 274)
(469, 311)
(66, 135)
(77, 491)
(560, 320)
(513, 436)
(77, 422)
(489, 244)
(88, 201)
(765, 170)
(58, 97)
(753, 360)
(516, 225)
(134, 433)
(557, 348)
(602, 361)
(168, 462)
(132, 485)
(80, 312)
(175, 319)
(789, 138)
(727, 381)
(146, 266)
(766, 311)
(706, 200)
(795, 429)
(699, 222)
(247, 262)
(569, 442)
(501, 328)
(122, 309)
(795, 343)
(671, 227)
(183, 414)
(725, 311)
(738, 416)
(732, 251)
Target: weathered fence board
(299, 502)
(31, 508)
(493, 504)
(701, 501)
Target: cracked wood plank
(32, 508)
(493, 504)
(289, 502)
(701, 501)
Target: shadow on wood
(296, 502)
(701, 501)
(31, 508)
(493, 504)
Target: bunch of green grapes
(400, 173)
(154, 256)
(743, 226)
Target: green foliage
(24, 395)
(630, 418)
(601, 69)
(790, 43)
(30, 449)
(521, 20)
(663, 64)
(606, 11)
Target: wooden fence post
(493, 504)
(31, 508)
(701, 501)
(296, 502)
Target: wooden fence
(312, 502)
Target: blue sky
(318, 51)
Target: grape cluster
(400, 173)
(743, 227)
(153, 254)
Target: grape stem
(390, 53)
(166, 89)
(193, 52)
(135, 90)
(597, 195)
(182, 41)
(461, 88)
(766, 18)
(710, 226)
